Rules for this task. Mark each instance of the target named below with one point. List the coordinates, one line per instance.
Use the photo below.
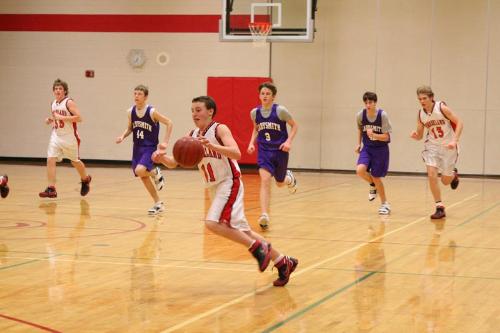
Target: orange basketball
(188, 151)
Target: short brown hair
(59, 82)
(370, 96)
(142, 88)
(425, 90)
(208, 101)
(270, 86)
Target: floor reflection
(369, 290)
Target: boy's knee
(360, 171)
(140, 171)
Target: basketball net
(259, 31)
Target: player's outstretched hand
(414, 135)
(119, 139)
(251, 148)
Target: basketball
(188, 152)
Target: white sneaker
(385, 209)
(158, 179)
(372, 194)
(264, 221)
(292, 187)
(157, 208)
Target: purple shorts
(142, 155)
(274, 161)
(376, 159)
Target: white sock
(278, 258)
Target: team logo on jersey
(377, 129)
(141, 124)
(268, 126)
(211, 153)
(435, 122)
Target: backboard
(291, 20)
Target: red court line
(48, 329)
(116, 22)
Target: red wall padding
(235, 98)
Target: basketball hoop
(259, 31)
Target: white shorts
(227, 204)
(66, 146)
(440, 157)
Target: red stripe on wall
(109, 23)
(119, 23)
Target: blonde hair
(425, 90)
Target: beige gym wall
(389, 46)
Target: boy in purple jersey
(274, 143)
(144, 122)
(374, 130)
(4, 188)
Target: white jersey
(440, 129)
(66, 127)
(214, 166)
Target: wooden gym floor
(100, 264)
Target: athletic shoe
(454, 183)
(157, 208)
(292, 187)
(50, 192)
(285, 267)
(262, 252)
(4, 188)
(264, 221)
(439, 214)
(385, 209)
(158, 179)
(372, 194)
(85, 186)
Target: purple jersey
(377, 128)
(272, 131)
(145, 129)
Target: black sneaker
(285, 267)
(4, 188)
(85, 186)
(454, 183)
(261, 252)
(50, 192)
(439, 214)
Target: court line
(414, 274)
(45, 328)
(32, 260)
(338, 291)
(476, 216)
(127, 264)
(303, 271)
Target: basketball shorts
(376, 160)
(64, 146)
(227, 204)
(142, 155)
(274, 161)
(442, 158)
